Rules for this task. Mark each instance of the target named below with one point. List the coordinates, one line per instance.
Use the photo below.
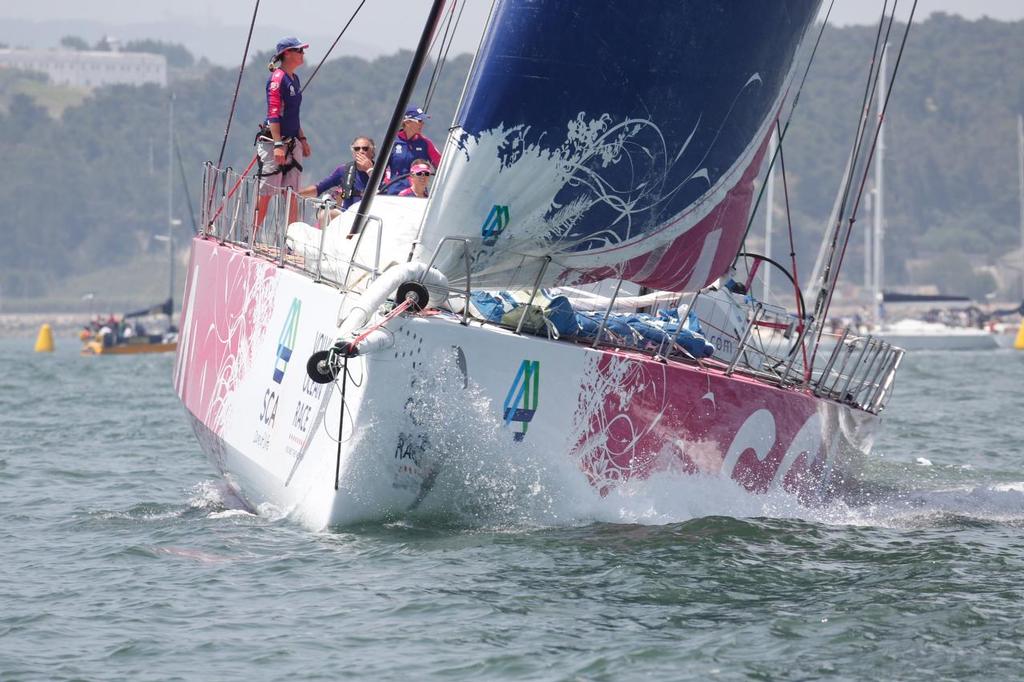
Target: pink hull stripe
(637, 416)
(223, 324)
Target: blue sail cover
(614, 138)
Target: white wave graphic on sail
(505, 167)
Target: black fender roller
(414, 291)
(318, 367)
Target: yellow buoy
(1019, 343)
(44, 342)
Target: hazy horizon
(217, 31)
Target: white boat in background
(348, 371)
(911, 335)
(884, 319)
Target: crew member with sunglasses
(349, 180)
(419, 178)
(410, 145)
(281, 144)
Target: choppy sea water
(121, 556)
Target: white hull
(437, 393)
(914, 335)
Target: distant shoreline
(18, 325)
(64, 325)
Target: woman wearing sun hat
(411, 144)
(419, 178)
(281, 144)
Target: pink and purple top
(284, 98)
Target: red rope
(399, 309)
(233, 190)
(753, 272)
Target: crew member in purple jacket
(348, 187)
(410, 145)
(281, 144)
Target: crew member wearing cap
(281, 144)
(410, 145)
(349, 180)
(419, 178)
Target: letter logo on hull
(286, 341)
(521, 401)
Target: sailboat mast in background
(1020, 192)
(170, 204)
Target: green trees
(177, 55)
(88, 188)
(951, 164)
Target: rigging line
(855, 159)
(444, 58)
(420, 56)
(801, 309)
(446, 19)
(858, 141)
(782, 134)
(238, 85)
(440, 49)
(828, 281)
(789, 221)
(874, 144)
(433, 39)
(441, 52)
(184, 184)
(331, 48)
(341, 422)
(869, 94)
(820, 275)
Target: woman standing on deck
(281, 144)
(410, 145)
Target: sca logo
(286, 341)
(495, 222)
(521, 401)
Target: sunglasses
(361, 149)
(423, 174)
(300, 50)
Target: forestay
(615, 138)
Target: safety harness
(263, 134)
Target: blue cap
(289, 43)
(415, 114)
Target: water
(121, 557)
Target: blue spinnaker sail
(614, 138)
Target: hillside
(88, 189)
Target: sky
(217, 29)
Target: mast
(170, 204)
(1020, 190)
(879, 204)
(769, 206)
(380, 165)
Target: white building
(89, 69)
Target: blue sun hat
(415, 114)
(289, 43)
